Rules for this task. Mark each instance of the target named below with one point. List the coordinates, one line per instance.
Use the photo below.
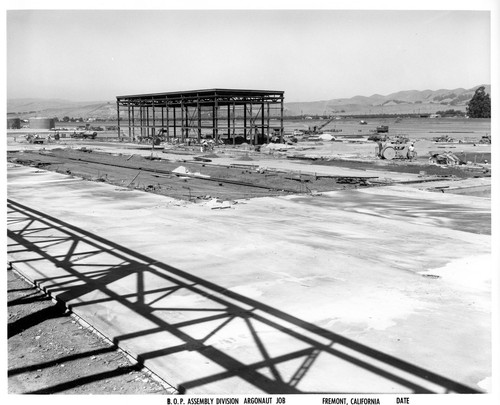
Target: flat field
(418, 128)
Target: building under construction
(224, 115)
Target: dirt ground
(50, 352)
(409, 167)
(240, 180)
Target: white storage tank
(13, 123)
(42, 123)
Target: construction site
(230, 250)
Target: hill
(31, 107)
(402, 102)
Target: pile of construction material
(444, 158)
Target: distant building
(13, 123)
(42, 123)
(435, 116)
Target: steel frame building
(255, 115)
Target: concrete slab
(374, 290)
(229, 156)
(263, 162)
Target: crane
(317, 129)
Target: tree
(479, 105)
(450, 113)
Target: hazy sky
(90, 55)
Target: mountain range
(402, 102)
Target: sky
(92, 55)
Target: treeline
(447, 113)
(451, 113)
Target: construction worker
(204, 145)
(411, 151)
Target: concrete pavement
(376, 290)
(229, 158)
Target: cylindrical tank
(13, 123)
(42, 123)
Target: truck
(84, 134)
(37, 138)
(382, 129)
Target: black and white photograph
(257, 203)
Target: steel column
(281, 119)
(141, 117)
(162, 120)
(268, 121)
(168, 125)
(234, 123)
(147, 122)
(228, 121)
(245, 121)
(187, 124)
(133, 123)
(154, 123)
(182, 120)
(216, 106)
(198, 107)
(175, 122)
(262, 119)
(118, 118)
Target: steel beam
(213, 99)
